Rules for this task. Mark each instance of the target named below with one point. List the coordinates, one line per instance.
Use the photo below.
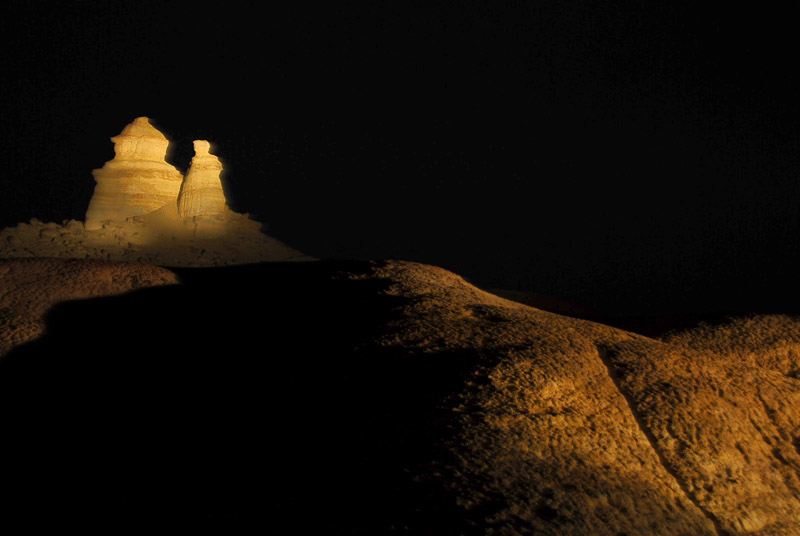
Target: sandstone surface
(398, 398)
(31, 287)
(138, 180)
(201, 195)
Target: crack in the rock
(770, 414)
(602, 354)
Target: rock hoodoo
(144, 210)
(138, 180)
(201, 196)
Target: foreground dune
(382, 397)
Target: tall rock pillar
(138, 180)
(201, 196)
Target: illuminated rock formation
(138, 180)
(201, 196)
(143, 210)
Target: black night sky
(632, 156)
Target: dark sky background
(633, 156)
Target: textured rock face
(31, 287)
(201, 195)
(138, 180)
(455, 412)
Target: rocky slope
(152, 239)
(31, 287)
(389, 397)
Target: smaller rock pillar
(201, 197)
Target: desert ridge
(365, 396)
(404, 396)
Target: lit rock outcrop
(143, 210)
(201, 199)
(138, 180)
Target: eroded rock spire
(201, 195)
(138, 180)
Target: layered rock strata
(138, 180)
(201, 202)
(201, 195)
(143, 210)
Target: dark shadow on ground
(237, 400)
